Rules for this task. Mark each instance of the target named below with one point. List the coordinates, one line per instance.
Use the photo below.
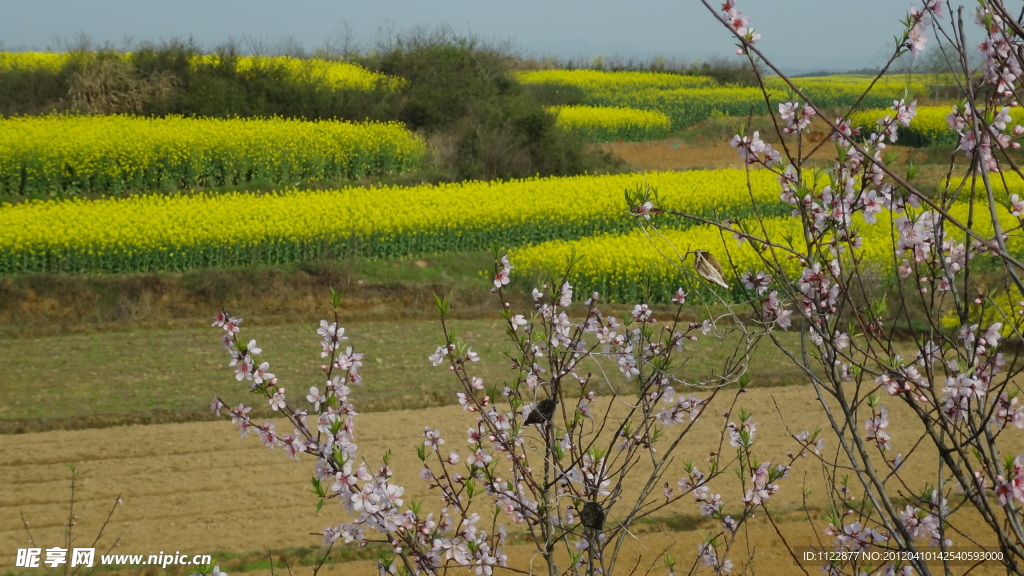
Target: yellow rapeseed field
(620, 266)
(60, 155)
(600, 82)
(601, 124)
(31, 61)
(843, 89)
(177, 232)
(688, 100)
(928, 128)
(331, 74)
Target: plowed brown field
(197, 488)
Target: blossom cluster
(993, 133)
(959, 382)
(739, 24)
(326, 431)
(552, 485)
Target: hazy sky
(801, 34)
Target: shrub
(463, 93)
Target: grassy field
(170, 375)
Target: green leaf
(442, 305)
(336, 298)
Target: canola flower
(687, 106)
(601, 124)
(61, 155)
(329, 74)
(843, 90)
(1002, 305)
(1007, 188)
(622, 266)
(598, 82)
(51, 62)
(178, 232)
(688, 100)
(915, 85)
(929, 127)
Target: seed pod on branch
(708, 267)
(542, 412)
(592, 515)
